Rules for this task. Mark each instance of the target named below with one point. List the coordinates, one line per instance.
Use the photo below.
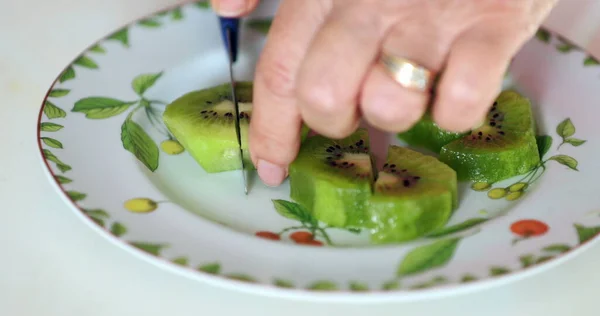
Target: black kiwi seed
(499, 126)
(385, 165)
(480, 133)
(202, 112)
(406, 183)
(492, 123)
(501, 132)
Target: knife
(229, 31)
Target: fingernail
(232, 7)
(271, 174)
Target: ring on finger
(407, 73)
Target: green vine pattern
(564, 46)
(429, 257)
(566, 130)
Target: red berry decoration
(268, 235)
(527, 228)
(301, 236)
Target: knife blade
(229, 30)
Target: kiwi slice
(427, 134)
(333, 178)
(414, 194)
(203, 122)
(503, 147)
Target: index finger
(233, 8)
(274, 137)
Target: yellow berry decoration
(480, 186)
(519, 186)
(171, 147)
(497, 193)
(514, 195)
(140, 205)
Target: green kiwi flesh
(203, 122)
(503, 147)
(333, 178)
(414, 194)
(427, 134)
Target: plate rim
(299, 294)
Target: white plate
(202, 226)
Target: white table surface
(51, 264)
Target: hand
(319, 66)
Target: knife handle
(233, 25)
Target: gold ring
(407, 73)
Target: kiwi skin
(334, 189)
(427, 134)
(513, 154)
(211, 139)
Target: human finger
(473, 76)
(233, 8)
(334, 69)
(275, 125)
(386, 103)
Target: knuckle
(277, 78)
(319, 98)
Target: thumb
(233, 8)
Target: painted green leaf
(149, 23)
(293, 211)
(241, 277)
(566, 161)
(176, 14)
(323, 286)
(57, 93)
(557, 248)
(468, 278)
(543, 35)
(86, 62)
(139, 143)
(427, 257)
(142, 82)
(496, 271)
(50, 127)
(543, 259)
(67, 74)
(356, 286)
(122, 36)
(586, 233)
(59, 164)
(565, 47)
(283, 283)
(98, 221)
(565, 128)
(101, 107)
(575, 141)
(182, 261)
(118, 229)
(97, 49)
(260, 25)
(153, 249)
(52, 142)
(76, 196)
(203, 4)
(62, 180)
(527, 260)
(390, 285)
(212, 268)
(52, 111)
(544, 143)
(456, 228)
(435, 281)
(97, 213)
(354, 230)
(591, 61)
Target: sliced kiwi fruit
(503, 147)
(427, 134)
(203, 121)
(414, 194)
(333, 178)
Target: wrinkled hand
(319, 66)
